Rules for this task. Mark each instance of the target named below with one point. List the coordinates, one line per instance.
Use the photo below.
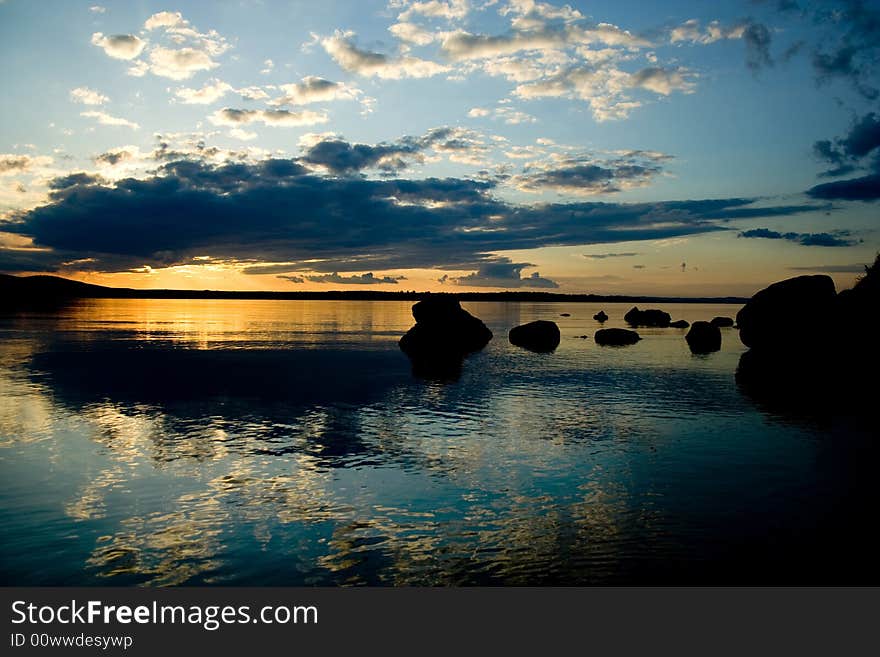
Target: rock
(703, 338)
(584, 337)
(679, 323)
(650, 318)
(722, 322)
(565, 314)
(541, 336)
(616, 337)
(783, 315)
(600, 316)
(443, 335)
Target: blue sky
(695, 148)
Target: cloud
(866, 188)
(97, 9)
(119, 46)
(106, 119)
(757, 39)
(412, 33)
(313, 89)
(856, 268)
(116, 156)
(280, 118)
(589, 176)
(341, 157)
(858, 150)
(211, 92)
(87, 96)
(179, 64)
(277, 211)
(851, 51)
(838, 238)
(502, 272)
(341, 48)
(663, 81)
(602, 256)
(12, 163)
(293, 279)
(164, 19)
(354, 279)
(451, 10)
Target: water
(157, 442)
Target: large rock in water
(443, 335)
(679, 323)
(784, 316)
(704, 337)
(651, 318)
(539, 336)
(616, 337)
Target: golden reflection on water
(174, 486)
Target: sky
(666, 148)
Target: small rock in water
(616, 337)
(600, 316)
(722, 322)
(541, 336)
(703, 338)
(650, 318)
(680, 323)
(565, 314)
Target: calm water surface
(157, 442)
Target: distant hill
(38, 289)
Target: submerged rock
(443, 335)
(679, 323)
(783, 315)
(600, 316)
(541, 336)
(703, 338)
(722, 322)
(616, 337)
(650, 318)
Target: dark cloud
(757, 39)
(586, 179)
(602, 256)
(866, 188)
(342, 157)
(838, 238)
(852, 52)
(112, 158)
(857, 150)
(275, 211)
(354, 279)
(503, 273)
(833, 269)
(81, 179)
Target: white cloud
(268, 65)
(366, 63)
(479, 112)
(252, 93)
(98, 9)
(119, 46)
(452, 10)
(313, 89)
(211, 92)
(179, 64)
(87, 96)
(663, 81)
(106, 119)
(243, 135)
(412, 33)
(692, 31)
(164, 19)
(283, 118)
(12, 163)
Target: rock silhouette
(783, 315)
(722, 322)
(600, 316)
(540, 336)
(616, 337)
(565, 314)
(679, 323)
(443, 335)
(703, 338)
(649, 318)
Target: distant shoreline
(54, 288)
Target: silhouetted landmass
(813, 353)
(34, 289)
(541, 336)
